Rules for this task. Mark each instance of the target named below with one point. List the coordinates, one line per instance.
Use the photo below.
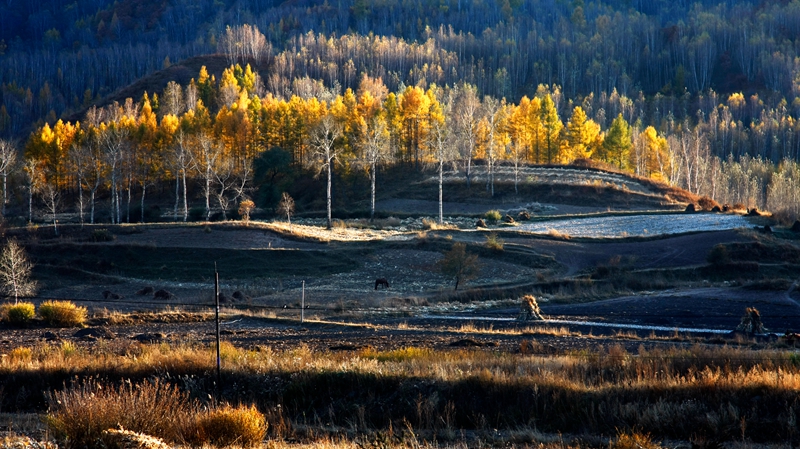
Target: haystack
(751, 322)
(529, 310)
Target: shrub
(493, 216)
(707, 203)
(227, 426)
(102, 235)
(633, 440)
(79, 414)
(494, 242)
(62, 313)
(718, 255)
(18, 314)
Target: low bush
(62, 313)
(493, 216)
(494, 242)
(80, 414)
(228, 426)
(102, 235)
(17, 314)
(633, 440)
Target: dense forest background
(706, 92)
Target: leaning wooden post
(303, 303)
(216, 301)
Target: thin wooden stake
(303, 303)
(216, 301)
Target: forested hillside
(703, 95)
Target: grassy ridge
(675, 393)
(188, 264)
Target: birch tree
(15, 271)
(440, 141)
(324, 151)
(375, 149)
(8, 160)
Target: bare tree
(35, 176)
(52, 201)
(459, 264)
(494, 112)
(180, 159)
(114, 140)
(205, 159)
(230, 185)
(440, 141)
(172, 100)
(322, 141)
(515, 153)
(15, 271)
(466, 125)
(8, 160)
(286, 206)
(376, 149)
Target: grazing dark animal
(381, 281)
(108, 294)
(162, 294)
(726, 208)
(145, 291)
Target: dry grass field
(416, 364)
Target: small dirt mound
(149, 337)
(145, 291)
(690, 208)
(95, 332)
(480, 223)
(348, 347)
(108, 294)
(163, 294)
(470, 343)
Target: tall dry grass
(668, 393)
(79, 415)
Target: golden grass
(62, 313)
(79, 415)
(17, 314)
(230, 426)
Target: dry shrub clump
(493, 216)
(62, 313)
(17, 314)
(79, 415)
(228, 426)
(494, 242)
(633, 440)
